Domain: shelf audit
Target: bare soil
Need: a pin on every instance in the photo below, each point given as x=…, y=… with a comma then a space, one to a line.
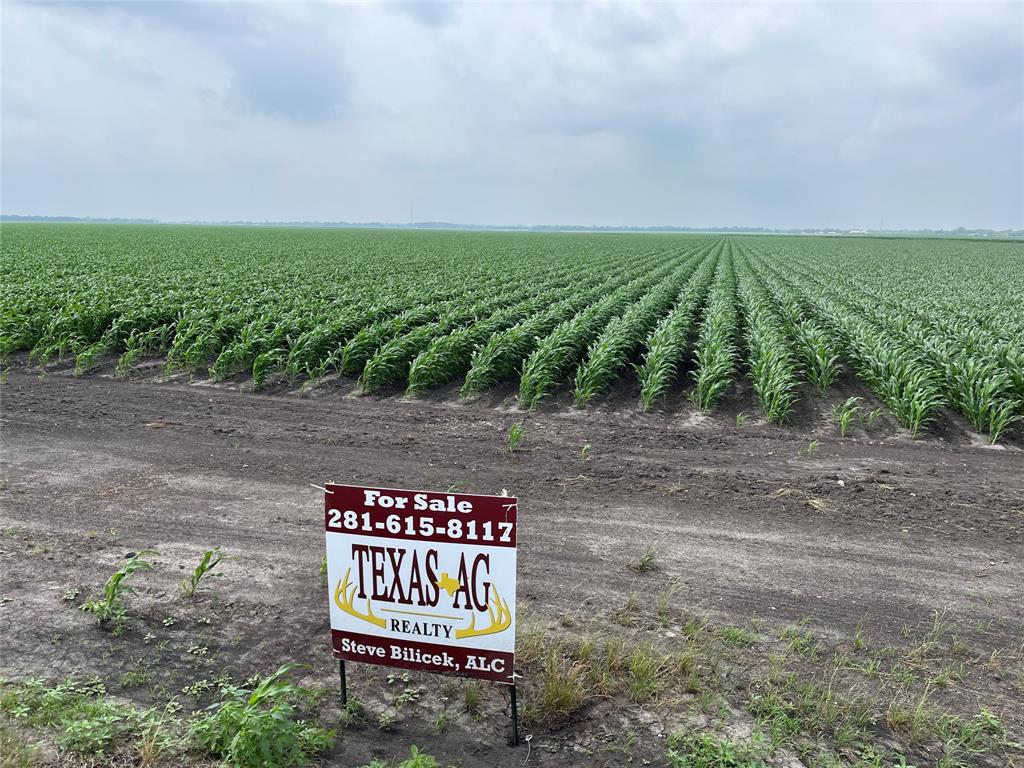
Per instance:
x=873, y=533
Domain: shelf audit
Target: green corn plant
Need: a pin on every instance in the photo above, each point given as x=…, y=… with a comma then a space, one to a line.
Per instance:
x=820, y=362
x=610, y=352
x=982, y=392
x=999, y=418
x=515, y=436
x=110, y=609
x=392, y=361
x=555, y=355
x=774, y=379
x=868, y=418
x=566, y=344
x=913, y=397
x=211, y=559
x=844, y=413
x=665, y=350
x=811, y=449
x=316, y=348
x=715, y=355
x=448, y=356
x=666, y=345
x=264, y=364
x=500, y=357
x=715, y=362
x=891, y=368
x=368, y=340
x=135, y=346
x=811, y=345
x=772, y=367
x=87, y=358
x=543, y=369
x=254, y=339
x=1009, y=356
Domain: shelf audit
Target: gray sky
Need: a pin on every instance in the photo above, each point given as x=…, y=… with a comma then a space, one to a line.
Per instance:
x=840, y=114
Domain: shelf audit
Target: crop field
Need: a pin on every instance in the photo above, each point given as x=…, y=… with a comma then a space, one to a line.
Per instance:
x=925, y=325
x=762, y=524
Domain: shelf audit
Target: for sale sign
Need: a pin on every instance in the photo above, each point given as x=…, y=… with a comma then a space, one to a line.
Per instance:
x=423, y=580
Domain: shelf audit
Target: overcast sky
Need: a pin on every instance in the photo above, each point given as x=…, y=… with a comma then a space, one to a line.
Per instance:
x=839, y=114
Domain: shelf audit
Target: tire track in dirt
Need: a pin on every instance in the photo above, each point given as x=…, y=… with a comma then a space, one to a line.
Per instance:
x=228, y=467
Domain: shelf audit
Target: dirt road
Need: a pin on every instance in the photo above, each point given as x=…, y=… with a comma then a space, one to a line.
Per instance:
x=873, y=533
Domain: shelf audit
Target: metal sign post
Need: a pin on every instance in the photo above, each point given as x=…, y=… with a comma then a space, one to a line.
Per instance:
x=515, y=718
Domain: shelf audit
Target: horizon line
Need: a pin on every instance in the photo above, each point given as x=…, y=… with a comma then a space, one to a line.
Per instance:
x=315, y=223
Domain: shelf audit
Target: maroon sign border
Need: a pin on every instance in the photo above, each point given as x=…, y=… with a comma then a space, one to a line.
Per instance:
x=486, y=508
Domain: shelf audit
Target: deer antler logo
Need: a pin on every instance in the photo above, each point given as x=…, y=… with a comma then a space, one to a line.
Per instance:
x=343, y=599
x=498, y=613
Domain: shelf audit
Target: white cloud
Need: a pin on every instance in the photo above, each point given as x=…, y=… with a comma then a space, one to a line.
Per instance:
x=491, y=113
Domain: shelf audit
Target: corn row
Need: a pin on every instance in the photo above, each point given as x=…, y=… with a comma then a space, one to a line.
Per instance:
x=666, y=344
x=813, y=346
x=625, y=334
x=446, y=357
x=392, y=361
x=443, y=353
x=558, y=352
x=892, y=369
x=502, y=355
x=773, y=370
x=716, y=351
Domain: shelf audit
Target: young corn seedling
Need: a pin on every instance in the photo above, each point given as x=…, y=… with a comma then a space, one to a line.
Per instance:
x=810, y=450
x=844, y=414
x=110, y=610
x=211, y=559
x=515, y=436
x=868, y=418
